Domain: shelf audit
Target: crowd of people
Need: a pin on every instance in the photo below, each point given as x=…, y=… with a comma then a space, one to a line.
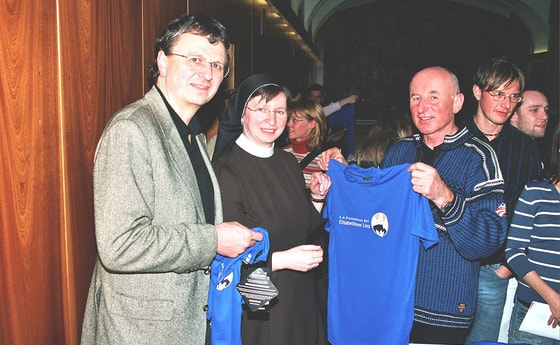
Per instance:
x=427, y=221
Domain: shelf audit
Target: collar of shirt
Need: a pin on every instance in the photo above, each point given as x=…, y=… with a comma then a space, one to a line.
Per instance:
x=471, y=125
x=254, y=149
x=194, y=127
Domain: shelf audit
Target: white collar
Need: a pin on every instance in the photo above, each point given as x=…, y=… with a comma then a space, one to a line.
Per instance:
x=254, y=149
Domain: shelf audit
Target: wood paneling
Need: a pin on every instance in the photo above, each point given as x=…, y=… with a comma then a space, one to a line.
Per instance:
x=101, y=72
x=30, y=252
x=157, y=14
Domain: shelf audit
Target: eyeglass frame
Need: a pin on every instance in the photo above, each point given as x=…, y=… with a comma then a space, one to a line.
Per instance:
x=262, y=112
x=200, y=67
x=502, y=95
x=294, y=119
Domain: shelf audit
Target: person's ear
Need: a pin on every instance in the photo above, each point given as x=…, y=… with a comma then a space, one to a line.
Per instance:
x=162, y=60
x=458, y=101
x=477, y=92
x=514, y=118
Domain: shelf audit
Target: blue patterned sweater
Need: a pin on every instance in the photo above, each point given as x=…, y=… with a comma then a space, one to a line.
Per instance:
x=474, y=227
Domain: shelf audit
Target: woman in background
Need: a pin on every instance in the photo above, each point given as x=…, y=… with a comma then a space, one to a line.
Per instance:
x=389, y=128
x=307, y=127
x=262, y=186
x=533, y=250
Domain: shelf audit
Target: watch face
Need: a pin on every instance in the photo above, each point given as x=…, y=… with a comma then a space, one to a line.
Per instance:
x=446, y=207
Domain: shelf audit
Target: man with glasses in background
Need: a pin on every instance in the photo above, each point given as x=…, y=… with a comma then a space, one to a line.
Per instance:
x=158, y=211
x=498, y=87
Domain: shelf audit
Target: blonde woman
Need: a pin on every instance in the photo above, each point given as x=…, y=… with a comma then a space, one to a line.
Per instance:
x=307, y=128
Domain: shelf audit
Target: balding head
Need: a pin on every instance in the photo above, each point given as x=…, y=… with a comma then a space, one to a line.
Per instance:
x=435, y=98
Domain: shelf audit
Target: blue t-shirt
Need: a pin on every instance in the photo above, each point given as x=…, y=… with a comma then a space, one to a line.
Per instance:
x=375, y=221
x=224, y=301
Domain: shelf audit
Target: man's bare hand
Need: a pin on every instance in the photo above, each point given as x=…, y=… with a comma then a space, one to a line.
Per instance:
x=234, y=238
x=426, y=180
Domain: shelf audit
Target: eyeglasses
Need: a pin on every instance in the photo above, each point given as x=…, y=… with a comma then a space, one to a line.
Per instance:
x=198, y=63
x=262, y=112
x=294, y=120
x=500, y=96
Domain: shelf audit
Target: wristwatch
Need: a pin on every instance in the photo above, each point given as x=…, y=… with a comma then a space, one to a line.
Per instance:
x=446, y=207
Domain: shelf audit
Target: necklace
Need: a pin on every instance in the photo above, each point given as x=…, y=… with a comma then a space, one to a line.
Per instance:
x=491, y=134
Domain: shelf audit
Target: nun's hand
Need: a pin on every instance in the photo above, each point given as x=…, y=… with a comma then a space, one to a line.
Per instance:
x=319, y=185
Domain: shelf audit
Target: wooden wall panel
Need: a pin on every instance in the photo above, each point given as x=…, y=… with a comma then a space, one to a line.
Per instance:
x=237, y=17
x=157, y=14
x=243, y=31
x=200, y=6
x=30, y=252
x=101, y=72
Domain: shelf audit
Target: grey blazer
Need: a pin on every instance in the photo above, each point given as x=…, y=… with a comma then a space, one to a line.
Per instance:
x=150, y=282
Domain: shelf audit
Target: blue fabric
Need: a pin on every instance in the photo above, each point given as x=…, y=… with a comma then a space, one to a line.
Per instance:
x=374, y=217
x=492, y=289
x=224, y=301
x=496, y=343
x=345, y=118
x=472, y=229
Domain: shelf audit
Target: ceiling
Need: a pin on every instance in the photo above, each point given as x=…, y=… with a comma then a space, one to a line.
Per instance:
x=533, y=13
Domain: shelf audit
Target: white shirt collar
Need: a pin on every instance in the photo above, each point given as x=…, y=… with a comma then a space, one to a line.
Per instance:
x=254, y=149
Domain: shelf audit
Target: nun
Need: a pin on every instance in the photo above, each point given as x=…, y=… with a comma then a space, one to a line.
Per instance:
x=262, y=186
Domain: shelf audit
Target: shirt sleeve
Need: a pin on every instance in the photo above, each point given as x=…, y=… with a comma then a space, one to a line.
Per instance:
x=331, y=108
x=425, y=223
x=519, y=236
x=476, y=222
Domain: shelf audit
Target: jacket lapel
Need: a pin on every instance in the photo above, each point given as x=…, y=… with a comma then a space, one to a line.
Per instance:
x=176, y=151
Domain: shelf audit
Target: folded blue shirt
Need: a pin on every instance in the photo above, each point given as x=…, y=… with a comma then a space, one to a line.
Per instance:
x=224, y=301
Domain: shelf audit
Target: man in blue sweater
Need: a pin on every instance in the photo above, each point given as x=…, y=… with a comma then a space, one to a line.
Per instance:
x=460, y=176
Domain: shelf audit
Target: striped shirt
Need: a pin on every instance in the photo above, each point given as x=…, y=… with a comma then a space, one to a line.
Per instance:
x=299, y=150
x=533, y=243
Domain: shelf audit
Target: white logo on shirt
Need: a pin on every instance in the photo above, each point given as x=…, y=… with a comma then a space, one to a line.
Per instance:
x=379, y=224
x=225, y=282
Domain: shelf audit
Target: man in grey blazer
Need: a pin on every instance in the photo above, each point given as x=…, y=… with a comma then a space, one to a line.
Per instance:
x=158, y=213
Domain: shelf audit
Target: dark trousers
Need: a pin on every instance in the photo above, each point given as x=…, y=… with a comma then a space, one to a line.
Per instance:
x=422, y=333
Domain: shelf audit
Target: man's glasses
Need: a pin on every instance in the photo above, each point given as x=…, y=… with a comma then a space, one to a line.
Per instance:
x=499, y=96
x=262, y=112
x=199, y=64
